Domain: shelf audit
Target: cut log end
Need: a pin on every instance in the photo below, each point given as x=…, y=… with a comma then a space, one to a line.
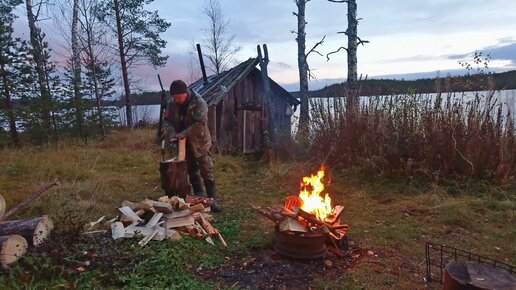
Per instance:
x=42, y=231
x=12, y=248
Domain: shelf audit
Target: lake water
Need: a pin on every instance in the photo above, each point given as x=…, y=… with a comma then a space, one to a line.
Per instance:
x=507, y=98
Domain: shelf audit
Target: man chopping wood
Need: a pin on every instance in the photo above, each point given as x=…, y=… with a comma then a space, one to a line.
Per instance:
x=187, y=117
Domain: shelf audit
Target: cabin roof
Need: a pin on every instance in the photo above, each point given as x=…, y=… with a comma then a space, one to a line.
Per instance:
x=219, y=85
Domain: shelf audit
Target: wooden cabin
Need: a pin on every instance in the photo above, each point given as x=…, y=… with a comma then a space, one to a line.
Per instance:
x=239, y=115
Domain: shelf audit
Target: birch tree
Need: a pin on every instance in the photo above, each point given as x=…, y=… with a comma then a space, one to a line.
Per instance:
x=304, y=70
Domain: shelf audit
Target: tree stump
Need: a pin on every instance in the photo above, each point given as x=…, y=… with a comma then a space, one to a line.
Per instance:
x=174, y=177
x=35, y=231
x=12, y=248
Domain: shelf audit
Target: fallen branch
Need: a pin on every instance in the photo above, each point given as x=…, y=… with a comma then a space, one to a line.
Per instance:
x=29, y=200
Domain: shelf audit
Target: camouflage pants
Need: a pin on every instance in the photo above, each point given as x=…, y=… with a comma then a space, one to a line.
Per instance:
x=198, y=167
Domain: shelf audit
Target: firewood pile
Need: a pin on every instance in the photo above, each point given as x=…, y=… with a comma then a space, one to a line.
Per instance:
x=162, y=219
x=17, y=236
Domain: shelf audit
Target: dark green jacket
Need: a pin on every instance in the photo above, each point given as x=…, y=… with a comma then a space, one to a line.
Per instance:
x=193, y=125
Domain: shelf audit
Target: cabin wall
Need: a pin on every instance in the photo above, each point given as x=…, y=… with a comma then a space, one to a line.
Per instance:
x=245, y=100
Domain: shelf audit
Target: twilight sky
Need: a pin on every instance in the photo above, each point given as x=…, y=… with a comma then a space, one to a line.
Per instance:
x=406, y=36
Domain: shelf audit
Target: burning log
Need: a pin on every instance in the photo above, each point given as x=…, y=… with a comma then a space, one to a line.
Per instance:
x=12, y=247
x=35, y=231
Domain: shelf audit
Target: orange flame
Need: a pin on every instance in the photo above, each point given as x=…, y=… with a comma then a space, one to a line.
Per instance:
x=311, y=190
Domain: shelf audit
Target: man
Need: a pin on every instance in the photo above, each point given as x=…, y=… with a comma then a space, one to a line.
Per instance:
x=187, y=117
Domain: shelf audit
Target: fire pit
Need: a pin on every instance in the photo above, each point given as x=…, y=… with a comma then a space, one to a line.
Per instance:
x=307, y=226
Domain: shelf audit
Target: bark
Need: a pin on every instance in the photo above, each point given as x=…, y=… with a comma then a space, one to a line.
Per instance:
x=123, y=62
x=92, y=62
x=353, y=98
x=12, y=248
x=76, y=66
x=174, y=178
x=304, y=115
x=37, y=52
x=10, y=110
x=2, y=205
x=35, y=231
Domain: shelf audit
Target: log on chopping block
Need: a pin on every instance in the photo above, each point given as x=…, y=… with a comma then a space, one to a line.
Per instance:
x=35, y=231
x=2, y=205
x=174, y=177
x=28, y=201
x=12, y=248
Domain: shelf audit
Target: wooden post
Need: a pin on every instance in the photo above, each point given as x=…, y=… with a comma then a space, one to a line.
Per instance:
x=269, y=107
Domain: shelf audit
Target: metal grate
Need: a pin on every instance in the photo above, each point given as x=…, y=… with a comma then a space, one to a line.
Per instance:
x=437, y=256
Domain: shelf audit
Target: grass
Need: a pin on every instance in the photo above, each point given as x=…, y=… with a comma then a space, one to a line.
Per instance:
x=393, y=218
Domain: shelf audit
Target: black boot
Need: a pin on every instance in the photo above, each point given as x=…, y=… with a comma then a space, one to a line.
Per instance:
x=197, y=186
x=211, y=191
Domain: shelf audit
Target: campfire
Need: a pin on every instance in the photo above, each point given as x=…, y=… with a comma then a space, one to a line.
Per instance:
x=307, y=225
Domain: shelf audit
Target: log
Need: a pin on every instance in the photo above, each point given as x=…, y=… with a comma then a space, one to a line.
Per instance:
x=180, y=222
x=212, y=231
x=178, y=214
x=174, y=177
x=35, y=231
x=28, y=201
x=292, y=225
x=263, y=212
x=2, y=205
x=12, y=248
x=130, y=214
x=163, y=207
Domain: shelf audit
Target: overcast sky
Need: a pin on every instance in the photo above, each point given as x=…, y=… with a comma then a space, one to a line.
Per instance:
x=406, y=36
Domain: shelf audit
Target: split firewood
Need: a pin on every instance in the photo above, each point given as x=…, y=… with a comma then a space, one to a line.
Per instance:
x=196, y=208
x=28, y=201
x=212, y=231
x=96, y=224
x=180, y=222
x=181, y=154
x=178, y=203
x=193, y=200
x=145, y=204
x=164, y=207
x=164, y=198
x=208, y=239
x=35, y=231
x=2, y=205
x=130, y=204
x=12, y=247
x=117, y=230
x=178, y=214
x=172, y=235
x=198, y=215
x=154, y=220
x=334, y=216
x=194, y=231
x=146, y=240
x=292, y=225
x=130, y=214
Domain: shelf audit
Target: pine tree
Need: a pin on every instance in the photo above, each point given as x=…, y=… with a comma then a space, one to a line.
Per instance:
x=14, y=67
x=138, y=33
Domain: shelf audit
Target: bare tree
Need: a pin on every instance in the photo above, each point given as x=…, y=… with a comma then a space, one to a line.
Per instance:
x=304, y=69
x=220, y=48
x=352, y=99
x=40, y=55
x=76, y=66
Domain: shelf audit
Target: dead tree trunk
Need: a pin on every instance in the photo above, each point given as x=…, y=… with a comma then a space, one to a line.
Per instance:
x=12, y=248
x=35, y=231
x=123, y=62
x=304, y=115
x=353, y=95
x=76, y=66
